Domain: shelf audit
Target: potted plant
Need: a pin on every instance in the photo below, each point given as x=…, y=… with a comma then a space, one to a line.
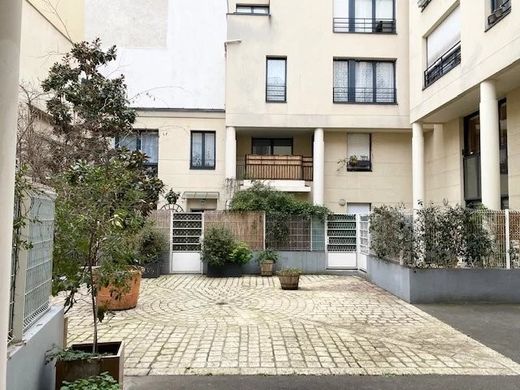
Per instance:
x=266, y=259
x=151, y=244
x=289, y=278
x=224, y=257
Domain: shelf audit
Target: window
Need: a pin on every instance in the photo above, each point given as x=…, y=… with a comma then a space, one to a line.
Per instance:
x=147, y=141
x=272, y=146
x=364, y=16
x=253, y=9
x=443, y=51
x=359, y=152
x=357, y=81
x=202, y=150
x=499, y=9
x=276, y=75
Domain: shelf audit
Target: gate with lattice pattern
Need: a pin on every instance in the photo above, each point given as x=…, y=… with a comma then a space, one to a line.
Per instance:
x=342, y=233
x=186, y=237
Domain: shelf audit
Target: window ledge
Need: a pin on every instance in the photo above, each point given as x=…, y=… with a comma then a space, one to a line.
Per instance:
x=246, y=14
x=369, y=103
x=491, y=25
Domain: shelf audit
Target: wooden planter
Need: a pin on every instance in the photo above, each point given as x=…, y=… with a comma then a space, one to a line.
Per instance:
x=111, y=361
x=266, y=268
x=289, y=282
x=110, y=299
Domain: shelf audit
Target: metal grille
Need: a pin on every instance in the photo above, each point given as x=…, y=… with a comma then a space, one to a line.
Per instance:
x=443, y=65
x=365, y=25
x=290, y=234
x=364, y=95
x=341, y=233
x=318, y=235
x=186, y=232
x=38, y=282
x=514, y=238
x=364, y=234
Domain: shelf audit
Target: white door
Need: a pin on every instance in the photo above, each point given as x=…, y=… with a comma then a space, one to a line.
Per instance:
x=186, y=233
x=341, y=241
x=362, y=212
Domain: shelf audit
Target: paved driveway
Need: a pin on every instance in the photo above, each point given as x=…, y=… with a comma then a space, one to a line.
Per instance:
x=188, y=324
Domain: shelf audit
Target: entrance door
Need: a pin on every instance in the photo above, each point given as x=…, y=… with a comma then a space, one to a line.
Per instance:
x=341, y=241
x=186, y=243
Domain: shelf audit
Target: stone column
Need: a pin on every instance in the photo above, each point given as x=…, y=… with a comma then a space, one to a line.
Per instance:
x=231, y=153
x=10, y=25
x=318, y=168
x=489, y=146
x=418, y=165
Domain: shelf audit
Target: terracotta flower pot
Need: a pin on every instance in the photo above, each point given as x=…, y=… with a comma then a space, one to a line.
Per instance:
x=266, y=268
x=289, y=282
x=111, y=299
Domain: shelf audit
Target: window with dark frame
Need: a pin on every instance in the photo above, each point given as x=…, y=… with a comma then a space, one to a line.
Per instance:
x=146, y=141
x=359, y=152
x=252, y=9
x=364, y=16
x=272, y=146
x=499, y=9
x=276, y=80
x=363, y=81
x=202, y=150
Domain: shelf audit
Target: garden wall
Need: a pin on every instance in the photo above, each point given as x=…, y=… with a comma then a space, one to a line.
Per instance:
x=445, y=285
x=308, y=262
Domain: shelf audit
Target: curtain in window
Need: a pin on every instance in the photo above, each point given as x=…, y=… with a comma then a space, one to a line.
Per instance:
x=385, y=82
x=363, y=9
x=196, y=149
x=276, y=71
x=209, y=150
x=384, y=9
x=358, y=145
x=150, y=146
x=364, y=91
x=444, y=37
x=340, y=81
x=128, y=141
x=341, y=21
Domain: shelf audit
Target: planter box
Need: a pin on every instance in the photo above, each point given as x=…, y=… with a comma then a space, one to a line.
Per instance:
x=266, y=268
x=77, y=369
x=289, y=282
x=152, y=270
x=445, y=285
x=226, y=271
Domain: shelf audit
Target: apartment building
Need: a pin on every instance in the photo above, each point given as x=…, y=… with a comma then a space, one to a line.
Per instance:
x=321, y=99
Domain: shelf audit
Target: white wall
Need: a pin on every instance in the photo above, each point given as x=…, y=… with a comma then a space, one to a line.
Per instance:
x=171, y=51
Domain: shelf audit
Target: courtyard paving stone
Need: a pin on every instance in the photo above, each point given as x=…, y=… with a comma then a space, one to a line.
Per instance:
x=333, y=325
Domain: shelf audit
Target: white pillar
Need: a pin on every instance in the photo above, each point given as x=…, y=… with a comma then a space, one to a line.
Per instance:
x=418, y=165
x=489, y=146
x=231, y=153
x=10, y=22
x=318, y=168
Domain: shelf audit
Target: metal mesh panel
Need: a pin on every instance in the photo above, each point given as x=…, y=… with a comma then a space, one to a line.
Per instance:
x=318, y=235
x=514, y=238
x=364, y=234
x=292, y=233
x=247, y=227
x=39, y=260
x=186, y=232
x=494, y=223
x=341, y=232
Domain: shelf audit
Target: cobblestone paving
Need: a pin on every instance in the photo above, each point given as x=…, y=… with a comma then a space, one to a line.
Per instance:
x=187, y=324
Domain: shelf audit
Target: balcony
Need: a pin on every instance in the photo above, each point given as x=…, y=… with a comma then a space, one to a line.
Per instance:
x=364, y=95
x=364, y=25
x=257, y=167
x=275, y=93
x=443, y=65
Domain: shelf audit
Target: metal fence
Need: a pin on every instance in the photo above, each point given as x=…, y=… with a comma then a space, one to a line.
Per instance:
x=31, y=280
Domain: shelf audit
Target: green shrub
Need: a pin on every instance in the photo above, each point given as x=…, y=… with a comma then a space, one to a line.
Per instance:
x=150, y=245
x=100, y=382
x=241, y=253
x=217, y=246
x=290, y=272
x=267, y=255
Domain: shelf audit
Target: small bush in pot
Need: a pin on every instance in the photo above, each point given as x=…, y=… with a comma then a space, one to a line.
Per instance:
x=289, y=278
x=151, y=244
x=266, y=259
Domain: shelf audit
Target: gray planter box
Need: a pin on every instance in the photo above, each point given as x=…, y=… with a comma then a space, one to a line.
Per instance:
x=445, y=285
x=308, y=262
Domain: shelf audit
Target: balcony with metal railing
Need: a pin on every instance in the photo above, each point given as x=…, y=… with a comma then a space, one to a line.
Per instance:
x=276, y=93
x=364, y=25
x=364, y=95
x=258, y=167
x=443, y=65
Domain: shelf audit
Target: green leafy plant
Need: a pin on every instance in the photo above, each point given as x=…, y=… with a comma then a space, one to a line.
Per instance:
x=70, y=355
x=150, y=245
x=101, y=382
x=241, y=254
x=267, y=255
x=289, y=272
x=217, y=246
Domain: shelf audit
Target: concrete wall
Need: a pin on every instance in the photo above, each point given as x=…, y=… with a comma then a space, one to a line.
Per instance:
x=174, y=150
x=445, y=285
x=308, y=262
x=390, y=181
x=26, y=368
x=302, y=31
x=171, y=51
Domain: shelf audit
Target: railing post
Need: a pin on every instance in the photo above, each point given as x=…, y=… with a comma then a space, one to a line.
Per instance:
x=508, y=239
x=358, y=239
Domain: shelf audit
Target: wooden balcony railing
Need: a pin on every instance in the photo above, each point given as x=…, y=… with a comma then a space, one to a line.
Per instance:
x=257, y=167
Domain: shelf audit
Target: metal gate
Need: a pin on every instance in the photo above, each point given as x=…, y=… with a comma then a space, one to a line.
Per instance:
x=186, y=238
x=342, y=232
x=364, y=241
